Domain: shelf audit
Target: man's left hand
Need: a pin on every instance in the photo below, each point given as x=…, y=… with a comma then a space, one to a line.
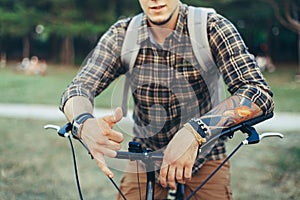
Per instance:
x=179, y=158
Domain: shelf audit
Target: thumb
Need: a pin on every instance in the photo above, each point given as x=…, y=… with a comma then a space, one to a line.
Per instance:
x=114, y=118
x=118, y=115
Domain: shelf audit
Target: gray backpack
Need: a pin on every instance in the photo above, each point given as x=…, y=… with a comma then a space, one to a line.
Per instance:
x=197, y=25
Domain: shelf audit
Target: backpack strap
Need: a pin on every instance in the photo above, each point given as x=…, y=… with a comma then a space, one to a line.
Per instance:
x=197, y=23
x=197, y=26
x=129, y=52
x=130, y=47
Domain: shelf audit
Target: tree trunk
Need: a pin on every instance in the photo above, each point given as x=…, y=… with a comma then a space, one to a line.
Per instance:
x=67, y=52
x=2, y=60
x=26, y=47
x=298, y=73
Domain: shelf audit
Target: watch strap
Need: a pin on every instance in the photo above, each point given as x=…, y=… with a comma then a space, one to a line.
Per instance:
x=78, y=122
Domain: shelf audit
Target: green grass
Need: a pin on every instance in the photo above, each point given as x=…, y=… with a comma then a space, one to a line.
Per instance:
x=30, y=89
x=268, y=170
x=19, y=88
x=36, y=164
x=286, y=90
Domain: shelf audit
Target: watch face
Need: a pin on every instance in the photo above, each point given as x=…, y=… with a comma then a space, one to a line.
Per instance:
x=75, y=129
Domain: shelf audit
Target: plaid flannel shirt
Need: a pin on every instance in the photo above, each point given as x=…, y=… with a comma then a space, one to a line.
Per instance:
x=167, y=81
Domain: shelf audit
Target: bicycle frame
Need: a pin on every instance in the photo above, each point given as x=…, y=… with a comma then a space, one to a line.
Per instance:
x=135, y=152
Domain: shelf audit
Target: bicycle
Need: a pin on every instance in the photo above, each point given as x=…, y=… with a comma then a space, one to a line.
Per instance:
x=135, y=152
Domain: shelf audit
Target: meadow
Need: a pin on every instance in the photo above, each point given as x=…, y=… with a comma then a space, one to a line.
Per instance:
x=25, y=89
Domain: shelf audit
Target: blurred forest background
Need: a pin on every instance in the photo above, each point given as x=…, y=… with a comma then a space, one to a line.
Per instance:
x=64, y=31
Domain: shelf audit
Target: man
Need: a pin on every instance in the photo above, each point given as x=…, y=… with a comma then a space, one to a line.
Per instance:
x=173, y=109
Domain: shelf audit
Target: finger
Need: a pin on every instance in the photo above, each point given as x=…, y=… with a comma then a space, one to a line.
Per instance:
x=187, y=173
x=171, y=177
x=163, y=175
x=118, y=114
x=113, y=135
x=180, y=175
x=104, y=146
x=113, y=145
x=102, y=165
x=106, y=150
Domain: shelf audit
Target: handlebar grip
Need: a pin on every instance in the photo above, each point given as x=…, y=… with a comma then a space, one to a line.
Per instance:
x=248, y=123
x=259, y=119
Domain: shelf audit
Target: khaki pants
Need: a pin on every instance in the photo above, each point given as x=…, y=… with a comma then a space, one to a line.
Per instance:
x=216, y=188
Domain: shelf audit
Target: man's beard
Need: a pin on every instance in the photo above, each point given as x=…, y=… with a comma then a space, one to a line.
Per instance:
x=160, y=23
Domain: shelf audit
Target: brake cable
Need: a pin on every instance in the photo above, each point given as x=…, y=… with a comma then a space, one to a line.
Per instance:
x=64, y=132
x=75, y=168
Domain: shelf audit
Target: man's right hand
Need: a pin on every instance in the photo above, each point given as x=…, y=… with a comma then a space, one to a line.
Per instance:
x=101, y=139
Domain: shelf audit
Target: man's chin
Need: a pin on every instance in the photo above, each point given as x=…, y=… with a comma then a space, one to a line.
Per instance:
x=160, y=22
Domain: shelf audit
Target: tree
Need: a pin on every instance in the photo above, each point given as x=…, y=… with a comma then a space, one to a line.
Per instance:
x=18, y=20
x=258, y=24
x=69, y=19
x=63, y=19
x=288, y=15
x=69, y=25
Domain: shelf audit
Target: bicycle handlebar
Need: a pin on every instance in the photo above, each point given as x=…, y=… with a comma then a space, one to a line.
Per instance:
x=245, y=127
x=140, y=156
x=137, y=153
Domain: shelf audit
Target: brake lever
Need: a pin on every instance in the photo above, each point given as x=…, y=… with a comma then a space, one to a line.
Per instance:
x=270, y=134
x=61, y=131
x=51, y=126
x=264, y=135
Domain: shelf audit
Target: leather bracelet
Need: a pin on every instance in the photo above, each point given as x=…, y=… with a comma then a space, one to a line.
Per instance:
x=78, y=122
x=200, y=127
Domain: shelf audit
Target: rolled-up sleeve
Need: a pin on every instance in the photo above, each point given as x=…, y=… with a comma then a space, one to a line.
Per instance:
x=102, y=67
x=238, y=67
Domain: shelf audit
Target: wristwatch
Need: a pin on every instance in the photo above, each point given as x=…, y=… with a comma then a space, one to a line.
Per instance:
x=78, y=122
